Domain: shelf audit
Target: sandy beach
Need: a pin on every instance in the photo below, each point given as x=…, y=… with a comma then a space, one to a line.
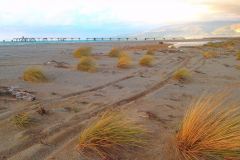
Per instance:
x=72, y=98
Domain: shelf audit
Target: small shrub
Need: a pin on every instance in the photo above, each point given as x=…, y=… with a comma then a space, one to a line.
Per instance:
x=237, y=67
x=86, y=64
x=82, y=52
x=114, y=52
x=124, y=61
x=238, y=55
x=21, y=120
x=209, y=54
x=210, y=130
x=110, y=136
x=34, y=75
x=150, y=52
x=182, y=75
x=146, y=60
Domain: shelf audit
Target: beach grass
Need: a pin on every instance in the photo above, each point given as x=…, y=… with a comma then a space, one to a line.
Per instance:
x=209, y=54
x=124, y=60
x=115, y=52
x=110, y=137
x=34, y=74
x=21, y=120
x=238, y=55
x=182, y=75
x=210, y=129
x=82, y=52
x=87, y=64
x=229, y=44
x=146, y=60
x=150, y=52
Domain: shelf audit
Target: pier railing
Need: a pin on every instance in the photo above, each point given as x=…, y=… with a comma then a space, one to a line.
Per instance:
x=62, y=39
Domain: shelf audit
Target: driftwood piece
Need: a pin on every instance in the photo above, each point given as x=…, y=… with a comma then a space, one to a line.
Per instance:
x=18, y=93
x=57, y=64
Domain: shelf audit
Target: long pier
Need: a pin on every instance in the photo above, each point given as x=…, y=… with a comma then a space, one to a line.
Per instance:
x=63, y=39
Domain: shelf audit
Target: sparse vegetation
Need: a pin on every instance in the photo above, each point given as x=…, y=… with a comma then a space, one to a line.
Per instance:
x=238, y=55
x=209, y=130
x=110, y=136
x=86, y=64
x=146, y=60
x=182, y=75
x=209, y=54
x=21, y=120
x=225, y=44
x=124, y=60
x=115, y=52
x=150, y=52
x=82, y=52
x=237, y=67
x=34, y=74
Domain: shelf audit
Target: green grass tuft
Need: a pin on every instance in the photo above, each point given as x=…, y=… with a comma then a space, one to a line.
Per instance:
x=210, y=129
x=124, y=60
x=182, y=75
x=238, y=55
x=115, y=52
x=82, y=52
x=33, y=74
x=150, y=52
x=110, y=136
x=21, y=120
x=146, y=60
x=86, y=64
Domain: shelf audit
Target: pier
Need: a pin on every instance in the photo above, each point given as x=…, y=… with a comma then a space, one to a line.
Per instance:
x=44, y=39
x=63, y=39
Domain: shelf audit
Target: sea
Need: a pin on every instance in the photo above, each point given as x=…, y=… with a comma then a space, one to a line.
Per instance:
x=14, y=43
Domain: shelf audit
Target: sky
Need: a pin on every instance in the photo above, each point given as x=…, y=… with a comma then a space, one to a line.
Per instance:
x=86, y=18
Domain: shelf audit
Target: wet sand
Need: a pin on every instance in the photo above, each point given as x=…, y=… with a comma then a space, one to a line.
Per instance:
x=148, y=95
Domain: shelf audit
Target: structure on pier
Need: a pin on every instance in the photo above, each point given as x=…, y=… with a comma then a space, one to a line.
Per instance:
x=63, y=39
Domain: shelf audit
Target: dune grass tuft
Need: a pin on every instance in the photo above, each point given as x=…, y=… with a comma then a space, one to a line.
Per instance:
x=33, y=74
x=150, y=52
x=210, y=129
x=182, y=74
x=21, y=120
x=229, y=44
x=82, y=52
x=115, y=52
x=209, y=54
x=124, y=60
x=238, y=55
x=86, y=64
x=110, y=136
x=146, y=60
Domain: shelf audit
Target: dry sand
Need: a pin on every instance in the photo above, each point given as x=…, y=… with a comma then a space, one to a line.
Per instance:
x=148, y=95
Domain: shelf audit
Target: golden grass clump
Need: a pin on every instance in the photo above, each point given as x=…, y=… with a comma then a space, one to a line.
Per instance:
x=229, y=44
x=146, y=60
x=33, y=74
x=86, y=64
x=115, y=52
x=124, y=60
x=209, y=54
x=150, y=52
x=21, y=120
x=110, y=137
x=82, y=52
x=210, y=130
x=238, y=55
x=182, y=75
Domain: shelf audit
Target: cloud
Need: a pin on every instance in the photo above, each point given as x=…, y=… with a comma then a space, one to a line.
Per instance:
x=221, y=9
x=107, y=16
x=62, y=12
